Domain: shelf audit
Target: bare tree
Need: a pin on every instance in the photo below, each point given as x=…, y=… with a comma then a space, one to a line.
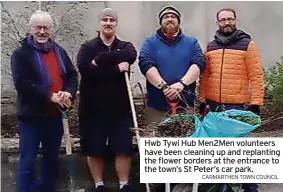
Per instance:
x=68, y=30
x=13, y=28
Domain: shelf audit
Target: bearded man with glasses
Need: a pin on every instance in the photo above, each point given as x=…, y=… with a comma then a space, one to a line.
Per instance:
x=233, y=76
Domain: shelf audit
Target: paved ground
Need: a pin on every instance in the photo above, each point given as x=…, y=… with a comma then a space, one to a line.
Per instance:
x=71, y=179
x=80, y=180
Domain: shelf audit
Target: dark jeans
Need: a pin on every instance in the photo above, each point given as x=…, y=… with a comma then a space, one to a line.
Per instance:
x=47, y=131
x=216, y=107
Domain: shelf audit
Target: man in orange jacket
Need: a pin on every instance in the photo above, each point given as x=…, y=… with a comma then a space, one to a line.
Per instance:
x=233, y=76
x=233, y=66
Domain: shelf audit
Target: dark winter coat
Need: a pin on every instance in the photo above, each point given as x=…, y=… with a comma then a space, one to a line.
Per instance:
x=103, y=89
x=33, y=97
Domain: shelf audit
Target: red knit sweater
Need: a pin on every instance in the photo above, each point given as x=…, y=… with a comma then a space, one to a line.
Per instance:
x=54, y=73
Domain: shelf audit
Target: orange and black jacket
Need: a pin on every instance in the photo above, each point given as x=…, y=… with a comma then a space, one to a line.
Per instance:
x=233, y=73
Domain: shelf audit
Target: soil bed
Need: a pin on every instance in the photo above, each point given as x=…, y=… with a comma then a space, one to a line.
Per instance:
x=9, y=123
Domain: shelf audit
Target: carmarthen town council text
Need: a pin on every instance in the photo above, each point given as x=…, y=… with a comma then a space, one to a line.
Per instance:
x=261, y=177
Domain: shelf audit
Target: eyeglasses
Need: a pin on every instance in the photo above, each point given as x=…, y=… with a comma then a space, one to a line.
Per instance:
x=112, y=20
x=230, y=20
x=45, y=28
x=168, y=16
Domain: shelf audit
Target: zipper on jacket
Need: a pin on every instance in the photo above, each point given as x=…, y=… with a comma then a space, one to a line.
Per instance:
x=220, y=91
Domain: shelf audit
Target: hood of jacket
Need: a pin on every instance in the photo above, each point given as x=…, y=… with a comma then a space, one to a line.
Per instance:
x=235, y=36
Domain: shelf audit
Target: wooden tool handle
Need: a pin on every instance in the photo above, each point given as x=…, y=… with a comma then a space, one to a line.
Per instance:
x=131, y=100
x=67, y=137
x=134, y=117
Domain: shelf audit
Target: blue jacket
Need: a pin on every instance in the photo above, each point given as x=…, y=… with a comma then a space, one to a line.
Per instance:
x=172, y=59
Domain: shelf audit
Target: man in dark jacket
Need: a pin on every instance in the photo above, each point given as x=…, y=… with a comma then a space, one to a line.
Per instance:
x=44, y=77
x=104, y=111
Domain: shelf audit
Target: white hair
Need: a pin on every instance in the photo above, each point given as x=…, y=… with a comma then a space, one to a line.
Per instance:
x=40, y=17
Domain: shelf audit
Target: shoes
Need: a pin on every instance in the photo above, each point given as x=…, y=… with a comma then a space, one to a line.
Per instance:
x=126, y=188
x=223, y=188
x=250, y=187
x=100, y=188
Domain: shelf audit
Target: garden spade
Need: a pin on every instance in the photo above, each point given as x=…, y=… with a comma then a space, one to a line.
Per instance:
x=68, y=146
x=134, y=117
x=173, y=105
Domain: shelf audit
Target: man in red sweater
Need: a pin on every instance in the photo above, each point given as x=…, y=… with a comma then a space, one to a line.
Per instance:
x=45, y=79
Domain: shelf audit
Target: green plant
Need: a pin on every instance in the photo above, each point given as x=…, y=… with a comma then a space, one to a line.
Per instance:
x=273, y=80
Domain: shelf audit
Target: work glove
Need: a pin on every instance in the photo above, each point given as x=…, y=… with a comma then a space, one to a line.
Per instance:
x=202, y=107
x=103, y=59
x=254, y=108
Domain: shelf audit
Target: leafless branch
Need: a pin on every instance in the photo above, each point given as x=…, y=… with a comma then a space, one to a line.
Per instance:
x=49, y=7
x=68, y=30
x=12, y=24
x=63, y=18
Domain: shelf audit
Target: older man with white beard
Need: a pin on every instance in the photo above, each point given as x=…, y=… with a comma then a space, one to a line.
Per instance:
x=44, y=78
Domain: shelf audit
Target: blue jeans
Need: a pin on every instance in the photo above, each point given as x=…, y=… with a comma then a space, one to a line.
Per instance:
x=216, y=107
x=48, y=131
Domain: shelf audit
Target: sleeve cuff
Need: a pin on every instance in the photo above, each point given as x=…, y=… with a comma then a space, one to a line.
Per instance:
x=146, y=68
x=200, y=65
x=50, y=95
